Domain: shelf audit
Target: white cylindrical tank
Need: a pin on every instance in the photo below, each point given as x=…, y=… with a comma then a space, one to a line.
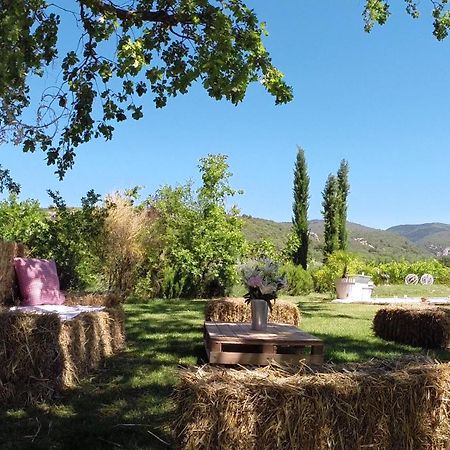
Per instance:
x=356, y=288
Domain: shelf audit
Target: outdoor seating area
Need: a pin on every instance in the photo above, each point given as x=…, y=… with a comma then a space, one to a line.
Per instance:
x=48, y=348
x=297, y=401
x=230, y=337
x=223, y=225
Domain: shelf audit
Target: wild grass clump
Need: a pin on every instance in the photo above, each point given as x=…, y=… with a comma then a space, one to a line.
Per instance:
x=125, y=227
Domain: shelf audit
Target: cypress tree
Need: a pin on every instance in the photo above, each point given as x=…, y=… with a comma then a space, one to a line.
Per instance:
x=343, y=188
x=330, y=217
x=300, y=210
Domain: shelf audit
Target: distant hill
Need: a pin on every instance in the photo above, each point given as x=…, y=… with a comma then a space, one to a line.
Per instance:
x=435, y=237
x=256, y=229
x=367, y=242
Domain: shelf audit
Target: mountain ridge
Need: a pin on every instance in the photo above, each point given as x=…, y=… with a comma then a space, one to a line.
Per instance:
x=434, y=236
x=367, y=242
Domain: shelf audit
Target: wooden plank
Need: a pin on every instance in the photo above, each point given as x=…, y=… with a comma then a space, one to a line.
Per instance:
x=237, y=343
x=261, y=339
x=233, y=331
x=242, y=329
x=212, y=345
x=261, y=359
x=212, y=329
x=237, y=330
x=242, y=332
x=269, y=349
x=317, y=350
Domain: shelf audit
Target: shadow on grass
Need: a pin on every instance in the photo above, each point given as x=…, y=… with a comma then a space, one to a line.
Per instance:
x=343, y=344
x=127, y=404
x=340, y=349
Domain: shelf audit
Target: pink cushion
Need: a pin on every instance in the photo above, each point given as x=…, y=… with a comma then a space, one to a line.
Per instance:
x=38, y=282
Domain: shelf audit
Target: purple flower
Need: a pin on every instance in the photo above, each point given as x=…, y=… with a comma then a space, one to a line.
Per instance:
x=255, y=281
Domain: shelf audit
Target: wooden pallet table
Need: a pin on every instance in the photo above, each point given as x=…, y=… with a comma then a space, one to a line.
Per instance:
x=237, y=343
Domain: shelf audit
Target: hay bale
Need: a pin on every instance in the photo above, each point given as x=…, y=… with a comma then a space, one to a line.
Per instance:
x=420, y=326
x=392, y=405
x=8, y=285
x=230, y=309
x=109, y=299
x=40, y=355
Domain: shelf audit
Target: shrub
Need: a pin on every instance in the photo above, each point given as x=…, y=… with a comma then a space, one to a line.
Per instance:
x=22, y=222
x=261, y=249
x=299, y=280
x=74, y=239
x=396, y=271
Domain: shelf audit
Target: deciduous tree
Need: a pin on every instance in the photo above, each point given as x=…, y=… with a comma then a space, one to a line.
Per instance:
x=201, y=240
x=122, y=52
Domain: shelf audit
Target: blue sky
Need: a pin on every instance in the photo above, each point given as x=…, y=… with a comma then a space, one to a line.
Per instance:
x=379, y=100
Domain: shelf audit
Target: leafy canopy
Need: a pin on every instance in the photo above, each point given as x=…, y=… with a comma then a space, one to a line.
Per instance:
x=201, y=240
x=158, y=48
x=123, y=51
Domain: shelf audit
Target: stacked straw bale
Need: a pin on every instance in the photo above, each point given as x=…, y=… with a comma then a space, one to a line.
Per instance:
x=8, y=286
x=40, y=355
x=420, y=326
x=391, y=405
x=236, y=310
x=110, y=300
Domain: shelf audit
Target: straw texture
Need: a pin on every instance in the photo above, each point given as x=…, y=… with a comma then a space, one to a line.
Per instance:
x=230, y=309
x=110, y=300
x=40, y=355
x=8, y=287
x=399, y=405
x=420, y=326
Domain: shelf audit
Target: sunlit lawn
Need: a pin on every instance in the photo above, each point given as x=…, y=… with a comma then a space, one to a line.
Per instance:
x=435, y=290
x=128, y=404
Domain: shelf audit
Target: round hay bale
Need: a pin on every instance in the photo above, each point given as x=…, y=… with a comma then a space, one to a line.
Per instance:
x=419, y=326
x=230, y=309
x=386, y=405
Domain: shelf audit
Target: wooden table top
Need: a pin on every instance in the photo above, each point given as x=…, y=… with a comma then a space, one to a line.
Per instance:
x=238, y=332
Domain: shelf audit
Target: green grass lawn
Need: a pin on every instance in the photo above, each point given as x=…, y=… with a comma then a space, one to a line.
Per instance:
x=399, y=290
x=128, y=405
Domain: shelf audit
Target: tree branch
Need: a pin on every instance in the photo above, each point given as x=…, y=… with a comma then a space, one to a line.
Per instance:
x=136, y=14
